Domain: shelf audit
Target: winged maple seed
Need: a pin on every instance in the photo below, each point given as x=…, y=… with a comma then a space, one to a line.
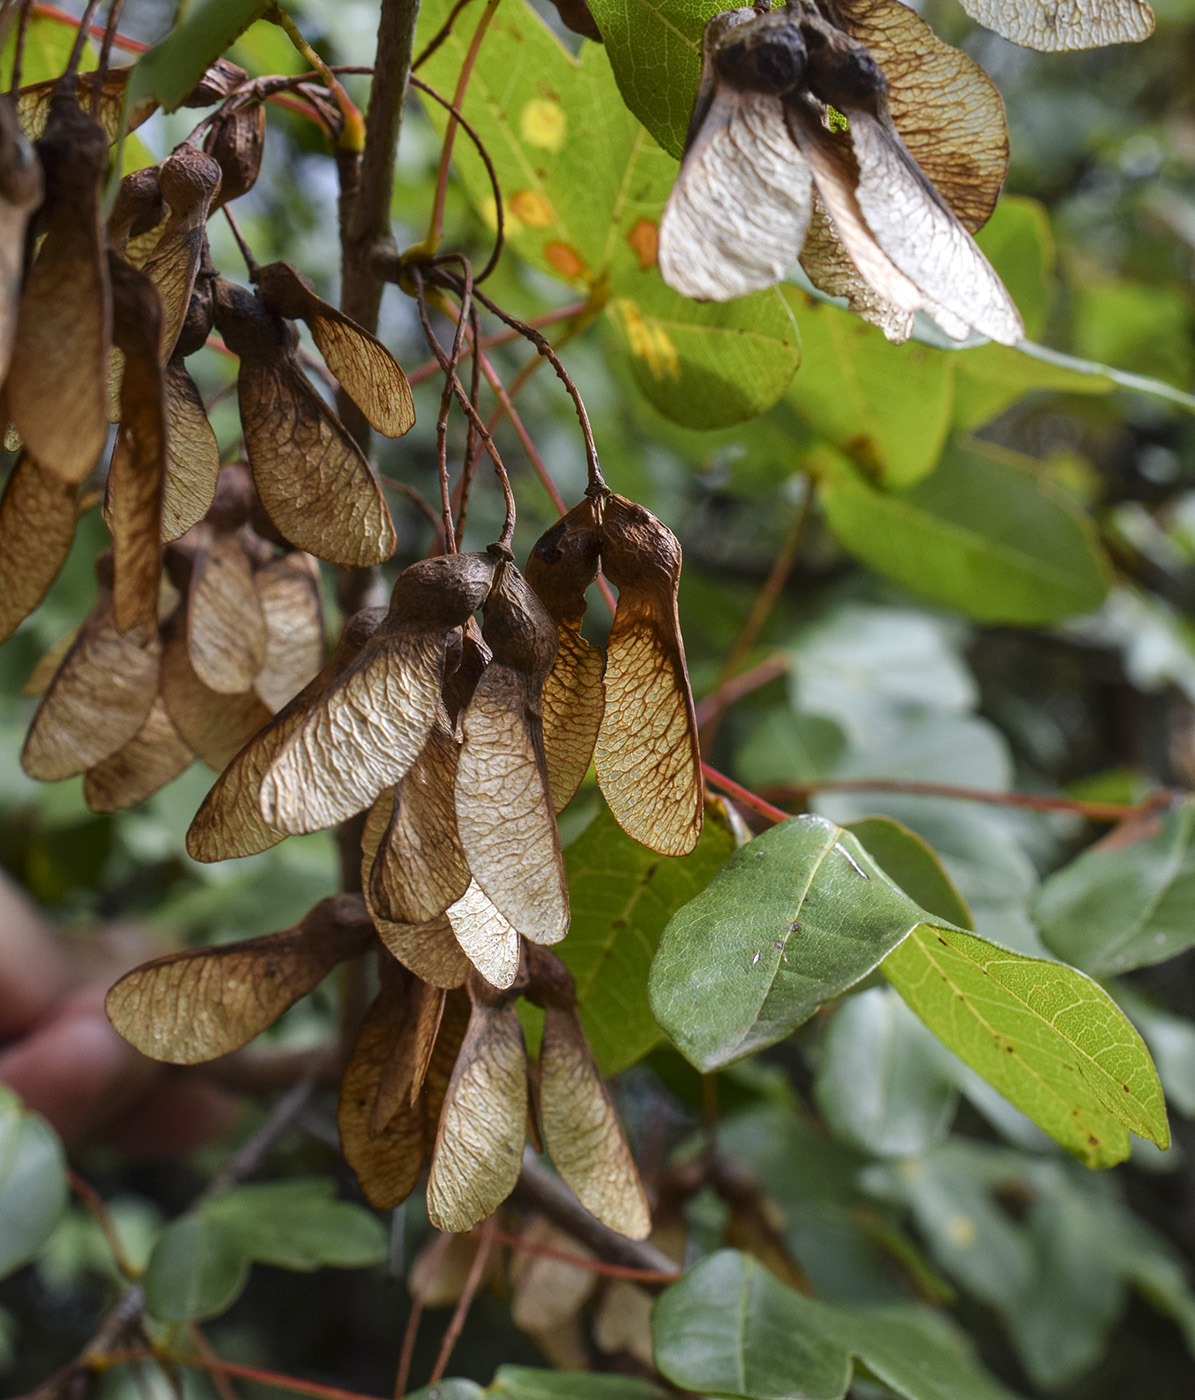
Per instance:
x=1074, y=24
x=37, y=525
x=810, y=138
x=643, y=736
x=64, y=323
x=20, y=194
x=236, y=142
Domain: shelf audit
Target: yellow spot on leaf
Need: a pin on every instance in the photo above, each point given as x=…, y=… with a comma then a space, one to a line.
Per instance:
x=533, y=208
x=644, y=238
x=543, y=123
x=649, y=340
x=961, y=1229
x=566, y=260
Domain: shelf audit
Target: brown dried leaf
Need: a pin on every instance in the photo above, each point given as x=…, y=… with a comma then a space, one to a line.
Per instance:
x=236, y=141
x=20, y=194
x=488, y=940
x=945, y=107
x=560, y=568
x=440, y=1269
x=314, y=483
x=226, y=626
x=98, y=700
x=365, y=369
x=192, y=454
x=647, y=757
x=187, y=1008
x=581, y=1129
x=137, y=472
x=229, y=823
x=37, y=526
x=34, y=102
x=479, y=1144
x=155, y=755
x=188, y=180
x=623, y=1321
x=420, y=868
x=215, y=726
x=64, y=325
x=548, y=1293
x=402, y=1077
x=289, y=592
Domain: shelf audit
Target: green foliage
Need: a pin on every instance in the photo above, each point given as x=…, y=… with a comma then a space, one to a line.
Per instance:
x=200, y=1265
x=33, y=1190
x=170, y=70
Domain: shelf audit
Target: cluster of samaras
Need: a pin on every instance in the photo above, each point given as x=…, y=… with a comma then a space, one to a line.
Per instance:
x=96, y=330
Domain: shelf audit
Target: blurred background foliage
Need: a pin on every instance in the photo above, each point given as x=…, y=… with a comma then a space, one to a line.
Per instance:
x=993, y=573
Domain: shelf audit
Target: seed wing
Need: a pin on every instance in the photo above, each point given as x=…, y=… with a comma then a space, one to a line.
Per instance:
x=488, y=940
x=1072, y=24
x=154, y=756
x=288, y=590
x=37, y=526
x=226, y=627
x=192, y=454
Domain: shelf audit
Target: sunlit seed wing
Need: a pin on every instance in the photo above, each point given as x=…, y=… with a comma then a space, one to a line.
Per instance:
x=187, y=1008
x=361, y=737
x=647, y=757
x=229, y=823
x=96, y=703
x=189, y=181
x=387, y=1162
x=214, y=726
x=923, y=238
x=488, y=940
x=192, y=454
x=20, y=194
x=582, y=1132
x=1071, y=24
x=64, y=324
x=831, y=270
x=560, y=568
x=314, y=483
x=226, y=627
x=288, y=590
x=153, y=757
x=365, y=369
x=736, y=218
x=34, y=101
x=947, y=110
x=504, y=814
x=479, y=1145
x=420, y=868
x=37, y=525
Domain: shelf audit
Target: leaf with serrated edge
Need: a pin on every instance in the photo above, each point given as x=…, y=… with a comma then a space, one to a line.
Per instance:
x=37, y=526
x=97, y=701
x=215, y=726
x=420, y=869
x=187, y=1008
x=582, y=1132
x=487, y=939
x=365, y=369
x=226, y=627
x=64, y=325
x=288, y=590
x=192, y=454
x=1077, y=24
x=229, y=823
x=153, y=757
x=479, y=1144
x=647, y=758
x=1051, y=1040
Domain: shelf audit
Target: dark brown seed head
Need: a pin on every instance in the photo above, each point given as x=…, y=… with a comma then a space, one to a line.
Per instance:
x=236, y=142
x=441, y=593
x=249, y=330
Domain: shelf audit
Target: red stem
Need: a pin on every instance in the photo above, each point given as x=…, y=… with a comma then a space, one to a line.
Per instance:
x=95, y=30
x=233, y=1368
x=581, y=1261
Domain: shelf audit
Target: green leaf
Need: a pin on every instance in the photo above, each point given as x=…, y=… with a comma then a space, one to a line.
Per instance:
x=985, y=533
x=33, y=1191
x=655, y=51
x=197, y=1270
x=909, y=861
x=529, y=1383
x=622, y=895
x=1019, y=243
x=1109, y=911
x=1171, y=1041
x=1051, y=1040
x=170, y=70
x=47, y=47
x=728, y=1328
x=887, y=406
x=453, y=1388
x=583, y=187
x=791, y=920
x=884, y=1083
x=201, y=1263
x=989, y=378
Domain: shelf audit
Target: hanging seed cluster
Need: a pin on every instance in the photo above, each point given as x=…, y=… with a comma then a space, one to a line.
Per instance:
x=453, y=724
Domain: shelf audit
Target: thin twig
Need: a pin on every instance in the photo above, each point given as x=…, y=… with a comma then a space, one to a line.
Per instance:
x=220, y=1382
x=586, y=1262
x=252, y=1152
x=440, y=35
x=103, y=1218
x=101, y=71
x=1030, y=802
x=418, y=1300
x=18, y=52
x=96, y=31
x=250, y=261
x=464, y=1302
x=744, y=795
x=418, y=499
x=771, y=668
x=234, y=1368
x=72, y=63
x=391, y=269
